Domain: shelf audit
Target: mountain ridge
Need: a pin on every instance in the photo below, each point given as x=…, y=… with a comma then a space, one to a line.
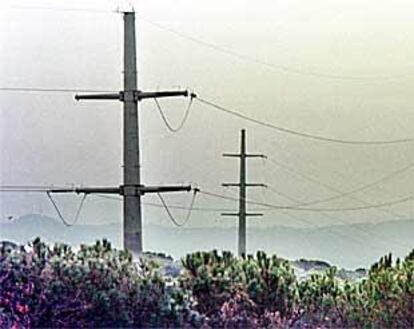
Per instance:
x=349, y=246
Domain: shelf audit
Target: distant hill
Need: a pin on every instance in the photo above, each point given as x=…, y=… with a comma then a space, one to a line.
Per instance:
x=28, y=227
x=351, y=246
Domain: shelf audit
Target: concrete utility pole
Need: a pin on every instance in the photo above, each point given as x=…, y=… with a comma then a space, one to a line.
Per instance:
x=242, y=214
x=132, y=189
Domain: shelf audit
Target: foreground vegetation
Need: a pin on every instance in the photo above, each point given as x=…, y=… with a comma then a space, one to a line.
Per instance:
x=98, y=286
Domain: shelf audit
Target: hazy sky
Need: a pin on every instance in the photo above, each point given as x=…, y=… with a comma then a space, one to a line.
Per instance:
x=342, y=69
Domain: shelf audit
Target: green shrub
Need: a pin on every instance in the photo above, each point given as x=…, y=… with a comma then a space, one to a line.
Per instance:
x=265, y=283
x=98, y=286
x=94, y=287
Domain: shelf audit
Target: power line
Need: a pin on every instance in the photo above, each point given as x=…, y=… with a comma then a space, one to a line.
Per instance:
x=299, y=133
x=358, y=231
x=178, y=207
x=29, y=187
x=318, y=182
x=358, y=189
x=371, y=206
x=330, y=230
x=223, y=109
x=64, y=221
x=184, y=119
x=226, y=51
x=170, y=215
x=23, y=190
x=52, y=90
x=86, y=10
x=190, y=209
x=267, y=205
x=295, y=208
x=283, y=68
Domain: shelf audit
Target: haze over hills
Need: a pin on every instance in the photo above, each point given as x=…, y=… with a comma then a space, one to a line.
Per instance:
x=351, y=246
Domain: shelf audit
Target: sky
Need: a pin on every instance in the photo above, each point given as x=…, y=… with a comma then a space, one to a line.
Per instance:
x=341, y=69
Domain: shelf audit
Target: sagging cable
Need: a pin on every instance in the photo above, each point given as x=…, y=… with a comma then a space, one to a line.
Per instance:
x=183, y=121
x=190, y=209
x=64, y=221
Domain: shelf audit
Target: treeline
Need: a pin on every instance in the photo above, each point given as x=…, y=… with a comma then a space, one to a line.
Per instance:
x=97, y=286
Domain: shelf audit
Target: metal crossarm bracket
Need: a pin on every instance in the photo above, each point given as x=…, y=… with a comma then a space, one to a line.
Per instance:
x=125, y=189
x=88, y=190
x=247, y=185
x=159, y=94
x=165, y=189
x=134, y=95
x=116, y=96
x=238, y=214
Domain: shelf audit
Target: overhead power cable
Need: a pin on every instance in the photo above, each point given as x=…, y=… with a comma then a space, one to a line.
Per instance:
x=367, y=233
x=52, y=90
x=267, y=205
x=44, y=189
x=170, y=215
x=318, y=182
x=175, y=206
x=331, y=230
x=299, y=133
x=227, y=51
x=64, y=221
x=24, y=189
x=29, y=187
x=190, y=209
x=282, y=207
x=86, y=10
x=269, y=65
x=183, y=121
x=358, y=189
x=226, y=110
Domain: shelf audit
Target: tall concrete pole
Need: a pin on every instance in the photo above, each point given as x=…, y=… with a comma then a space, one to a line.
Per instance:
x=132, y=190
x=132, y=178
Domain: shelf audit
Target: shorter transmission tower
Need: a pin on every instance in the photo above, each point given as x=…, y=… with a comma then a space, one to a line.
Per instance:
x=242, y=214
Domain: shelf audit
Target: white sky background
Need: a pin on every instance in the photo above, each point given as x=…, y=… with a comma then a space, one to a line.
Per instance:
x=51, y=139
